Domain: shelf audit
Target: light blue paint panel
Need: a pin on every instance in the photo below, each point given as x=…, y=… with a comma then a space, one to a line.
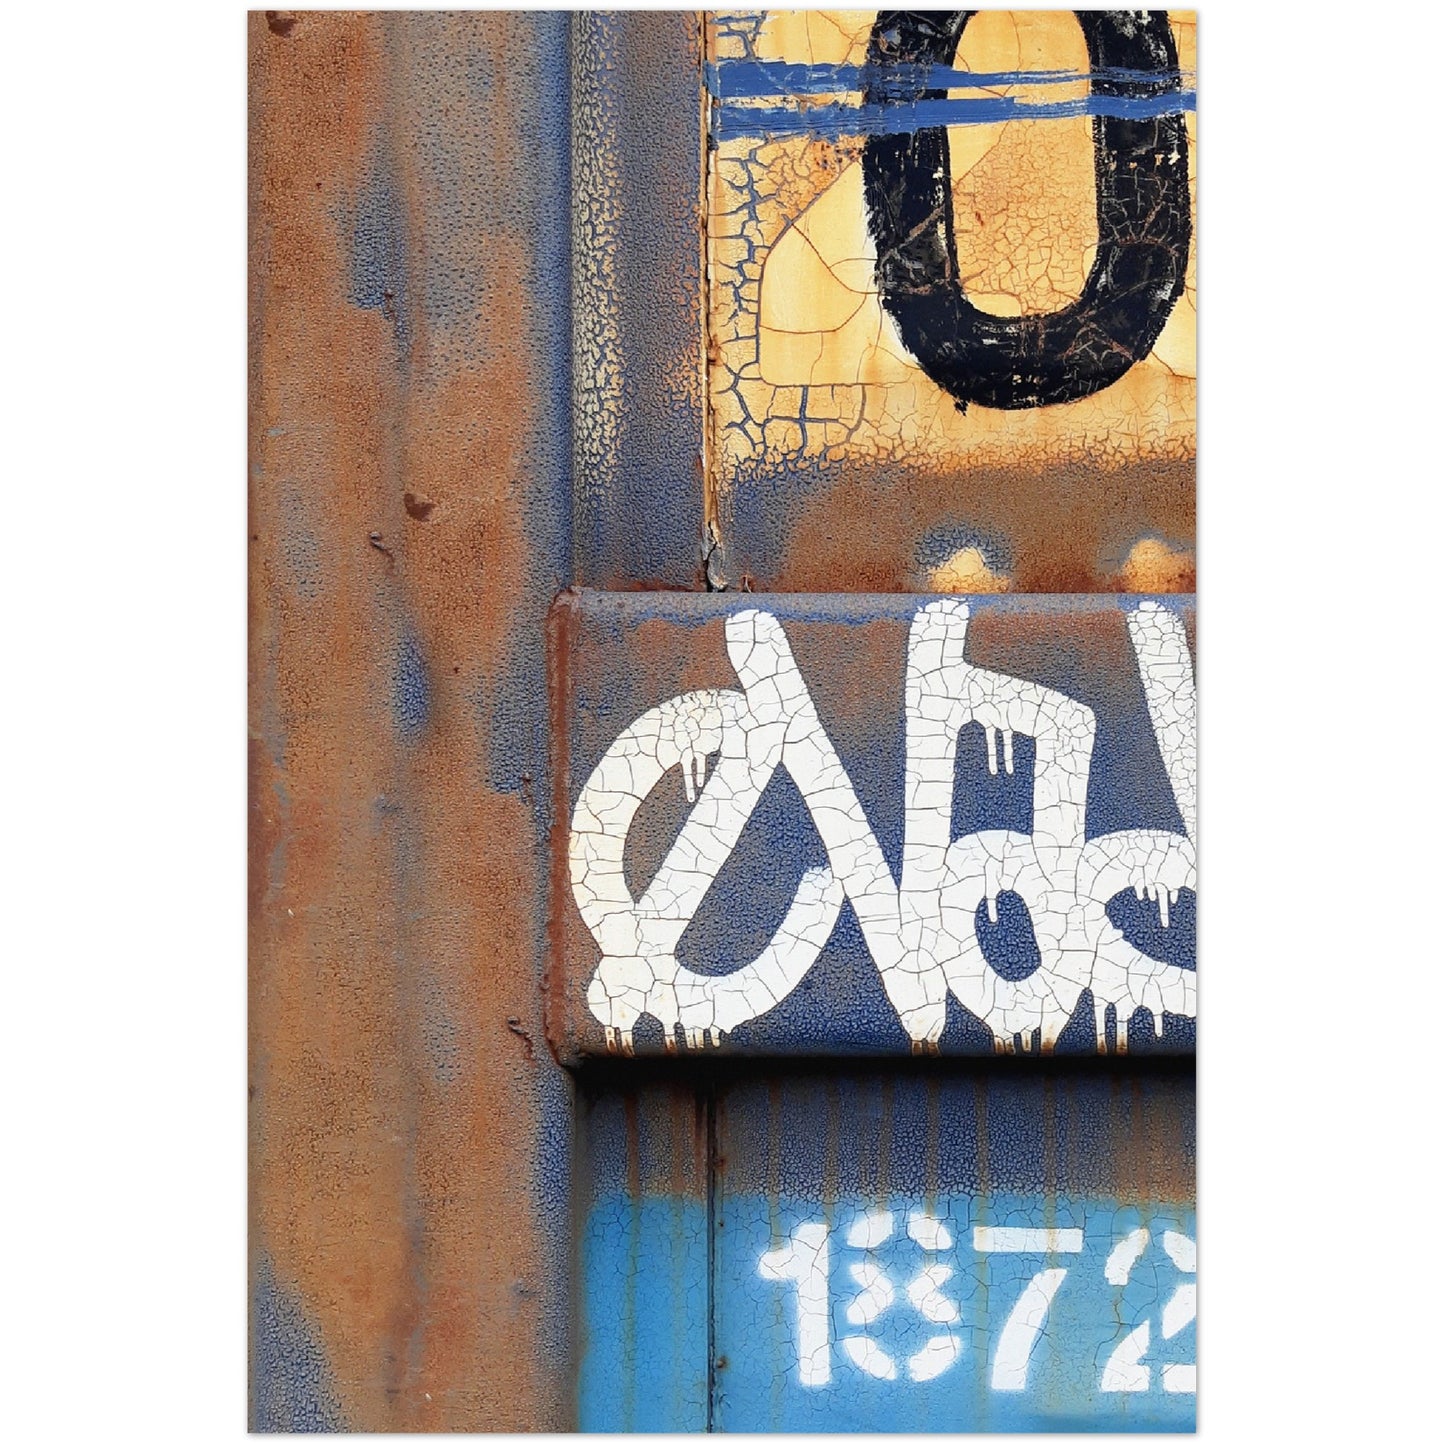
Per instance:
x=980, y=1250
x=1066, y=1381
x=644, y=1296
x=642, y=1237
x=918, y=1249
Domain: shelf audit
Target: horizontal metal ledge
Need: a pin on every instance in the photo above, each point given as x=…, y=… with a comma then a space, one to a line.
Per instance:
x=837, y=825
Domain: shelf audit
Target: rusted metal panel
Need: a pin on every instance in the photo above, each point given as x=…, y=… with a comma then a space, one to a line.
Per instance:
x=531, y=300
x=410, y=522
x=838, y=825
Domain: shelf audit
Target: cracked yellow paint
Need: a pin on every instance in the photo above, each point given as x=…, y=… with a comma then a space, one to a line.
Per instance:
x=1155, y=566
x=820, y=322
x=804, y=364
x=823, y=37
x=966, y=571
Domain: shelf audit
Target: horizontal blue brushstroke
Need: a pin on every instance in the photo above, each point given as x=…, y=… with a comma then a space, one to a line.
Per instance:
x=762, y=79
x=832, y=122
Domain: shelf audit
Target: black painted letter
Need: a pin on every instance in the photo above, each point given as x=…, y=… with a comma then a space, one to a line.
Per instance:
x=1141, y=170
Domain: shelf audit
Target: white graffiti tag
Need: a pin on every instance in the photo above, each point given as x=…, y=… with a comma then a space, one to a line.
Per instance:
x=920, y=931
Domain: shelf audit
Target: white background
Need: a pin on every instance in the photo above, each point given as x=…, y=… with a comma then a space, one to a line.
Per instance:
x=123, y=459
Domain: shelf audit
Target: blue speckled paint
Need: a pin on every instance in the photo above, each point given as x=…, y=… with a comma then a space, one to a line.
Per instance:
x=516, y=757
x=410, y=688
x=1008, y=944
x=379, y=250
x=1138, y=920
x=292, y=1390
x=552, y=1199
x=637, y=275
x=513, y=707
x=943, y=539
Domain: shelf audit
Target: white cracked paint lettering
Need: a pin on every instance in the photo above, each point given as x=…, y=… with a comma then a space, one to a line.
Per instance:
x=920, y=930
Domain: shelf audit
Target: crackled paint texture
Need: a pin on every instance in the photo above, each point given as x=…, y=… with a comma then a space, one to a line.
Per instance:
x=637, y=299
x=992, y=841
x=559, y=326
x=921, y=930
x=828, y=401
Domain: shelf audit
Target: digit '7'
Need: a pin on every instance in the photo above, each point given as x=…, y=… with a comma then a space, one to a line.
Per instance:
x=1026, y=1319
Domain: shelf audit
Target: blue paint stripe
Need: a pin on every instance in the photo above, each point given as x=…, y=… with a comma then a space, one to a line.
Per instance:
x=832, y=122
x=645, y=1305
x=765, y=79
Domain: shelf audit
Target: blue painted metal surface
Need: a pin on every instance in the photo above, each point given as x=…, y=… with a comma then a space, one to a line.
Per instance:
x=858, y=658
x=293, y=1389
x=643, y=1359
x=918, y=1252
x=637, y=300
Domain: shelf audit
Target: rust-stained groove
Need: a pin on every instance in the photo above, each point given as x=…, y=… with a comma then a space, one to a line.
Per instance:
x=714, y=578
x=561, y=633
x=713, y=1185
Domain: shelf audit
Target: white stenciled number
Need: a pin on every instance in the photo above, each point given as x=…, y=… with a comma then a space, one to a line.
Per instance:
x=876, y=1293
x=925, y=1294
x=1026, y=1320
x=803, y=1261
x=1179, y=1379
x=1125, y=1369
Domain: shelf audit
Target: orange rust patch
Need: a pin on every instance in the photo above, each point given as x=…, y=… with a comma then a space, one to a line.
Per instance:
x=862, y=533
x=1155, y=566
x=393, y=895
